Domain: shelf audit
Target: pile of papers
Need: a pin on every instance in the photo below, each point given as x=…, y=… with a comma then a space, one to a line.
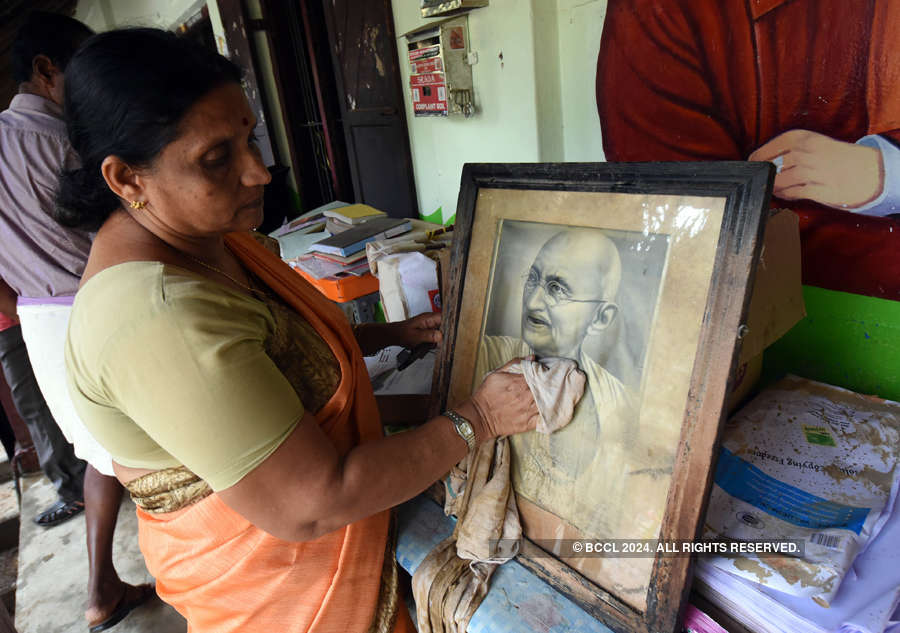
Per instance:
x=805, y=460
x=330, y=241
x=320, y=266
x=341, y=246
x=866, y=601
x=344, y=253
x=295, y=237
x=354, y=240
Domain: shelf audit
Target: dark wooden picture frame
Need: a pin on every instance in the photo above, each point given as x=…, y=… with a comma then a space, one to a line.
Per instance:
x=745, y=189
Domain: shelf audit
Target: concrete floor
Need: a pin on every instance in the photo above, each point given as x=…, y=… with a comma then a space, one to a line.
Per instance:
x=51, y=593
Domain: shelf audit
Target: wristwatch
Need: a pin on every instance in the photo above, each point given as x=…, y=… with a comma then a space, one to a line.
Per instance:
x=463, y=427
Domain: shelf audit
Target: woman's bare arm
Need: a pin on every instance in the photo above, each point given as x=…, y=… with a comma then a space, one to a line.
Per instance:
x=305, y=489
x=424, y=328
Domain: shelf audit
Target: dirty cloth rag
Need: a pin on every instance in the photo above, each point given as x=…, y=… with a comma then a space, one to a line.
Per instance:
x=453, y=579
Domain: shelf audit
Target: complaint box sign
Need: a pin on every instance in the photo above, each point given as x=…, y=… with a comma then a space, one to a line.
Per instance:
x=429, y=94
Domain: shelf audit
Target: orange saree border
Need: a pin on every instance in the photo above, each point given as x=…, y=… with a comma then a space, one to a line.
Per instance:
x=225, y=575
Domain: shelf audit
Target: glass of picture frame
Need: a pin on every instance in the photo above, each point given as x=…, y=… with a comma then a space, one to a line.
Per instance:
x=641, y=272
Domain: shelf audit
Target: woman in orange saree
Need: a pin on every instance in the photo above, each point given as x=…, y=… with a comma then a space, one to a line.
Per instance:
x=200, y=554
x=232, y=396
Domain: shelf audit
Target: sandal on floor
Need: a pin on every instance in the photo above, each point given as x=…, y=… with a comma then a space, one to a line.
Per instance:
x=59, y=512
x=133, y=597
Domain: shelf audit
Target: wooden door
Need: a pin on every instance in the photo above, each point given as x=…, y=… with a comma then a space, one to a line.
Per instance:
x=305, y=87
x=367, y=73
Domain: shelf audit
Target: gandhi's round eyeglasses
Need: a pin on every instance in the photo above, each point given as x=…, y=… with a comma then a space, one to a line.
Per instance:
x=555, y=293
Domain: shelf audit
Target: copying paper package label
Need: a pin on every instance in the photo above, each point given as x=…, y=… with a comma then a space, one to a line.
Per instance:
x=810, y=461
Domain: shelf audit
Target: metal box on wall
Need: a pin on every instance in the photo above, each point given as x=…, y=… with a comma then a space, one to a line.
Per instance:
x=440, y=80
x=431, y=8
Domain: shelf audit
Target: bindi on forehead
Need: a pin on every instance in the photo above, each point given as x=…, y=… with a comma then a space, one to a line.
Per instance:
x=245, y=121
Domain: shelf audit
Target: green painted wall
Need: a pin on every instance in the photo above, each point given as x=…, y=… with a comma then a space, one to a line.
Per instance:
x=846, y=340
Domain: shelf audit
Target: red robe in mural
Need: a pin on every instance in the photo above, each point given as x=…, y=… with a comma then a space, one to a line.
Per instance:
x=716, y=79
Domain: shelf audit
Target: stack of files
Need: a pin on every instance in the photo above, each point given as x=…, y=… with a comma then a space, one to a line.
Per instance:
x=316, y=219
x=295, y=244
x=354, y=240
x=320, y=266
x=306, y=223
x=296, y=236
x=867, y=601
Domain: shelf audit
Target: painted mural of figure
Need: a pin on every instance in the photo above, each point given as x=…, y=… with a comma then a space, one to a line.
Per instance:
x=813, y=85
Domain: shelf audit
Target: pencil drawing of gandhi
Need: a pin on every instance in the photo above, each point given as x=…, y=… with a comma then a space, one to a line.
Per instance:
x=570, y=295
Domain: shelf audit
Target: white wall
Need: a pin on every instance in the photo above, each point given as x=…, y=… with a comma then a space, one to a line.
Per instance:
x=537, y=104
x=504, y=127
x=102, y=15
x=547, y=80
x=95, y=13
x=218, y=28
x=580, y=26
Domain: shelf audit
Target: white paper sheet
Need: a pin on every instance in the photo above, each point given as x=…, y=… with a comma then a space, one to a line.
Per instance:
x=865, y=603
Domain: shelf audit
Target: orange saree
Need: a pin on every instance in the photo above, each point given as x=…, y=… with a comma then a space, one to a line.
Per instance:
x=225, y=575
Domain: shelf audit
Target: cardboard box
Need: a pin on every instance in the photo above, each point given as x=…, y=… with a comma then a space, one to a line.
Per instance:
x=776, y=303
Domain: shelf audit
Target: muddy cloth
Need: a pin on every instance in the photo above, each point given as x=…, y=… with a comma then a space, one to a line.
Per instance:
x=453, y=579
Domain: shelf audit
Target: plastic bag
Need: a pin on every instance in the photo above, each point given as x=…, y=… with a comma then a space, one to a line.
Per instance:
x=810, y=461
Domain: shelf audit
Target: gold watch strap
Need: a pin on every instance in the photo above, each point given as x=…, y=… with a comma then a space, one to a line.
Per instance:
x=459, y=423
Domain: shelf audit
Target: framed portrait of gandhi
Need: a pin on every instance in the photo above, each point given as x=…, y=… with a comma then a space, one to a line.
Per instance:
x=641, y=273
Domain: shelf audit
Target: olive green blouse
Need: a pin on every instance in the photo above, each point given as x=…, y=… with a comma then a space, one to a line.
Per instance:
x=168, y=368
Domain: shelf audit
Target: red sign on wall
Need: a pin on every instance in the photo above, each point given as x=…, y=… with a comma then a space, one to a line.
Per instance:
x=430, y=65
x=428, y=79
x=457, y=39
x=429, y=98
x=422, y=53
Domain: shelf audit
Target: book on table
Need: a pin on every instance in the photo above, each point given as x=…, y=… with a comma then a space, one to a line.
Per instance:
x=340, y=259
x=334, y=226
x=310, y=218
x=355, y=239
x=319, y=267
x=354, y=214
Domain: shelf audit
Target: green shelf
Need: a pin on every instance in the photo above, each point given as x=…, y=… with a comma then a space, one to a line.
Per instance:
x=848, y=340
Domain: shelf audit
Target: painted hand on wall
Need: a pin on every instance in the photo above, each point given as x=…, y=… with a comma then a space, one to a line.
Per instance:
x=813, y=166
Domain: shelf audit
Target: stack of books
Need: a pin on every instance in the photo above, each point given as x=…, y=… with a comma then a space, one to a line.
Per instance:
x=322, y=265
x=344, y=253
x=354, y=240
x=302, y=225
x=818, y=464
x=294, y=237
x=345, y=218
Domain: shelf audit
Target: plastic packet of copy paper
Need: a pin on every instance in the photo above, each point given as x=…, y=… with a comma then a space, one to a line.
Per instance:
x=809, y=461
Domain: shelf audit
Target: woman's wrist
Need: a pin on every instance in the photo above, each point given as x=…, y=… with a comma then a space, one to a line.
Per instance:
x=373, y=337
x=469, y=411
x=411, y=333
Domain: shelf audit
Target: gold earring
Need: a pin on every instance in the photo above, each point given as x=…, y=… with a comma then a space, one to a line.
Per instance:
x=137, y=204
